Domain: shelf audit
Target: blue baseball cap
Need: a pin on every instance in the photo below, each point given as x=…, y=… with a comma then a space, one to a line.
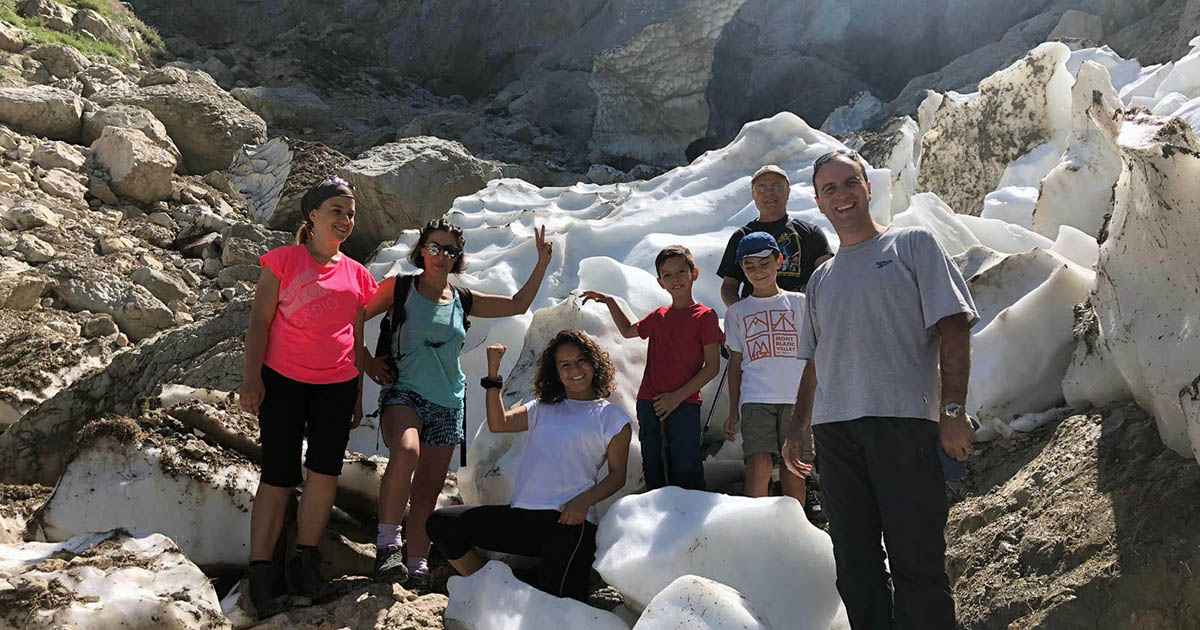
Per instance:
x=757, y=245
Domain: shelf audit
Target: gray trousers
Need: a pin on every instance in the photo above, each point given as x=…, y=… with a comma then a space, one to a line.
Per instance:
x=883, y=477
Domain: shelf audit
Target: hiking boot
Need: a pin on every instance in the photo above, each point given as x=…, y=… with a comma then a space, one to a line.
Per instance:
x=389, y=565
x=812, y=508
x=261, y=579
x=304, y=573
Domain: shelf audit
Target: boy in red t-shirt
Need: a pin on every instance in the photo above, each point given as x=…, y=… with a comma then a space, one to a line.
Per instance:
x=684, y=355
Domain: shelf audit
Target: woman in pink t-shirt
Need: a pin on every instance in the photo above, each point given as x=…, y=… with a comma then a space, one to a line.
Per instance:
x=302, y=380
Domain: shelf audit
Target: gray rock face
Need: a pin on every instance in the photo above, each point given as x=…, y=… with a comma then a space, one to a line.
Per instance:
x=40, y=110
x=129, y=117
x=650, y=91
x=404, y=184
x=294, y=107
x=205, y=122
x=138, y=167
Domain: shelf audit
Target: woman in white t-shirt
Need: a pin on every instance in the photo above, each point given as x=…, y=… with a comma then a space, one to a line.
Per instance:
x=573, y=431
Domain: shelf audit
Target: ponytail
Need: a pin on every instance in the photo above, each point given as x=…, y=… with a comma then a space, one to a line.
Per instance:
x=304, y=234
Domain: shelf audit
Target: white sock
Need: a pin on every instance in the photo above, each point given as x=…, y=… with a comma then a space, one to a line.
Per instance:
x=388, y=535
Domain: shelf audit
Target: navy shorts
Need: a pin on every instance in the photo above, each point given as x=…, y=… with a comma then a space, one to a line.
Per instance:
x=292, y=411
x=440, y=426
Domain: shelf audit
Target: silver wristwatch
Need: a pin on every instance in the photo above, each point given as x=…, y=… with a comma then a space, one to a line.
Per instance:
x=953, y=410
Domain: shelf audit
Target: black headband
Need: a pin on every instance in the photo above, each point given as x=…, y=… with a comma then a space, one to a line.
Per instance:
x=327, y=189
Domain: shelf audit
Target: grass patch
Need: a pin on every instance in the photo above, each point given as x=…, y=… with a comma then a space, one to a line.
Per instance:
x=151, y=44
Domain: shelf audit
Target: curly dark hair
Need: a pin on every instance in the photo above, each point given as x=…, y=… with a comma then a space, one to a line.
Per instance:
x=547, y=386
x=439, y=225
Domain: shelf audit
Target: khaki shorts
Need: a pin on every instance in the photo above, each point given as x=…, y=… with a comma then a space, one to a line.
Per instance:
x=765, y=427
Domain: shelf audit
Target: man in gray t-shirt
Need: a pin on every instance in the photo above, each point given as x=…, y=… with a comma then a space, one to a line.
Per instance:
x=888, y=331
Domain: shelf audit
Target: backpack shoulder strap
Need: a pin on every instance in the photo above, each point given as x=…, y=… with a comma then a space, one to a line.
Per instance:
x=399, y=297
x=467, y=299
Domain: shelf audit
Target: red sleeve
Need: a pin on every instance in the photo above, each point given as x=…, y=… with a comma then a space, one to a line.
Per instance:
x=710, y=328
x=367, y=285
x=277, y=261
x=646, y=326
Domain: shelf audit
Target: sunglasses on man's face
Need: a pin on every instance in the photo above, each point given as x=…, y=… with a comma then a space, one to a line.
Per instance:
x=449, y=251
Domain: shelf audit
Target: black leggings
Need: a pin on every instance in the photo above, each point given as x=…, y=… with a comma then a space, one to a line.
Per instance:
x=567, y=551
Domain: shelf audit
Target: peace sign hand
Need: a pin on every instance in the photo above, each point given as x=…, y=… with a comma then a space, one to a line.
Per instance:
x=545, y=248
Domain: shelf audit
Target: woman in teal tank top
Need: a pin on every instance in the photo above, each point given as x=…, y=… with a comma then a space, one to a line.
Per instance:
x=422, y=404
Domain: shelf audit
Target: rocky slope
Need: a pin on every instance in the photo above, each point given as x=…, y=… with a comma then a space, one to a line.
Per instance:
x=635, y=82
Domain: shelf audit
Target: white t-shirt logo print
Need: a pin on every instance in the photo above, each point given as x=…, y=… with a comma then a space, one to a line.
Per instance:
x=771, y=334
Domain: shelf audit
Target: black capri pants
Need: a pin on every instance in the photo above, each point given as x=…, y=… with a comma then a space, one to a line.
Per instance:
x=292, y=411
x=567, y=551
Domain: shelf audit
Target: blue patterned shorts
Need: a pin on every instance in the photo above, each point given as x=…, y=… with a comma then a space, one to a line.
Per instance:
x=440, y=426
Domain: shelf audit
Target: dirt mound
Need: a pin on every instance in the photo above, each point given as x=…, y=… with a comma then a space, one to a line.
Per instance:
x=1089, y=523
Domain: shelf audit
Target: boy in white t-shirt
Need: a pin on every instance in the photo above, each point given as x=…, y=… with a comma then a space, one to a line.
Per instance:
x=762, y=332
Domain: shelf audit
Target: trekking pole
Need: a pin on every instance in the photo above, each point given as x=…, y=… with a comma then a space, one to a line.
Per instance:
x=662, y=440
x=713, y=407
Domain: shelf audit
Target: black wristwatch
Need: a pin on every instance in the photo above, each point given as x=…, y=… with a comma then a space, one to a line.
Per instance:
x=488, y=383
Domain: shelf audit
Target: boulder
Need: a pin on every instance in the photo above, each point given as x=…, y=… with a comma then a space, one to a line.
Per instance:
x=63, y=183
x=27, y=215
x=105, y=580
x=104, y=29
x=54, y=15
x=135, y=309
x=700, y=604
x=163, y=285
x=493, y=599
x=12, y=39
x=129, y=117
x=21, y=287
x=166, y=75
x=101, y=76
x=120, y=476
x=294, y=107
x=34, y=249
x=241, y=251
x=969, y=140
x=57, y=154
x=402, y=185
x=718, y=537
x=138, y=167
x=207, y=124
x=60, y=60
x=41, y=111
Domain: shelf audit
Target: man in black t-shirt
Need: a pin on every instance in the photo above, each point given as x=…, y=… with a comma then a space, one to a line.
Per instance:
x=804, y=246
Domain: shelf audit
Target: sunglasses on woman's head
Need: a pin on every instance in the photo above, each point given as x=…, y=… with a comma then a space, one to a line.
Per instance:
x=449, y=251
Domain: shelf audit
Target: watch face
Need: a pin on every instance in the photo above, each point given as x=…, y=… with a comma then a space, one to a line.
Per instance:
x=953, y=410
